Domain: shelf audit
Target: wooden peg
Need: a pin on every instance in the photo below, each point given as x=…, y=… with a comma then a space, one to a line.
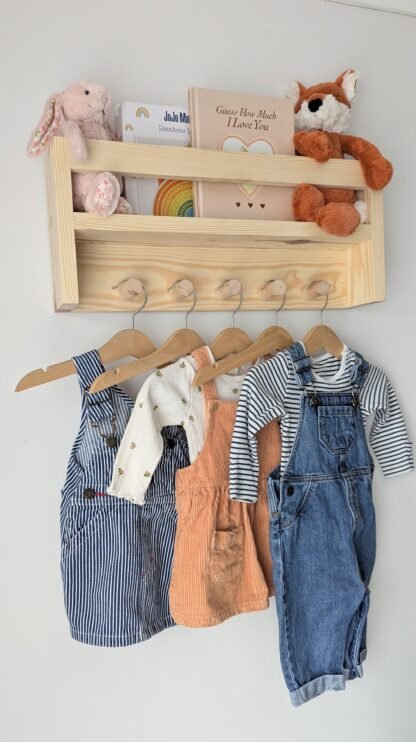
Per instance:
x=274, y=287
x=182, y=288
x=318, y=289
x=229, y=288
x=130, y=288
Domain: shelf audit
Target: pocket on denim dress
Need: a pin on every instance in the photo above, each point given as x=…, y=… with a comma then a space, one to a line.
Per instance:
x=82, y=518
x=336, y=425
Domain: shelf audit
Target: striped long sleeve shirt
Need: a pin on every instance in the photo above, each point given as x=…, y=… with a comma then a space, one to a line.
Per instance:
x=270, y=391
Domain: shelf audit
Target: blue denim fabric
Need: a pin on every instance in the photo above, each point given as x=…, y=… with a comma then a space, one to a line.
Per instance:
x=322, y=538
x=116, y=556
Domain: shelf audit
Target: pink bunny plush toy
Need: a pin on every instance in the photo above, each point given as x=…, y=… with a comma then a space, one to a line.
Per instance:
x=81, y=112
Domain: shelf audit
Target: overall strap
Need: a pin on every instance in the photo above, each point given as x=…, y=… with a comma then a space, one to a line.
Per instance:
x=98, y=406
x=359, y=371
x=202, y=358
x=302, y=364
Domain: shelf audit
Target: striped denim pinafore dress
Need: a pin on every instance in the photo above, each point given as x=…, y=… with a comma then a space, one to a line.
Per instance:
x=116, y=556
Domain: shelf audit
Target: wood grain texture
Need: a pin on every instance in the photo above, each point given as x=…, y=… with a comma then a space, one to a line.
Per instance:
x=188, y=163
x=180, y=343
x=271, y=340
x=99, y=252
x=103, y=265
x=165, y=230
x=375, y=246
x=62, y=235
x=366, y=268
x=122, y=345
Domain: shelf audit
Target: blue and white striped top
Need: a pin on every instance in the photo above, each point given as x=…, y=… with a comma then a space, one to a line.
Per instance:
x=270, y=390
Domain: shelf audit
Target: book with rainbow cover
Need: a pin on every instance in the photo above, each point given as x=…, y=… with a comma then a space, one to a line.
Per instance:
x=148, y=123
x=239, y=122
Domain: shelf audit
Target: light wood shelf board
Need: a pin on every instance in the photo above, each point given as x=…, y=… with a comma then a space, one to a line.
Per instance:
x=101, y=266
x=193, y=231
x=153, y=161
x=61, y=228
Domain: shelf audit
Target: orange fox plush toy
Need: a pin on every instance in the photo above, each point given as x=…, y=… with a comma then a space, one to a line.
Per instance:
x=322, y=115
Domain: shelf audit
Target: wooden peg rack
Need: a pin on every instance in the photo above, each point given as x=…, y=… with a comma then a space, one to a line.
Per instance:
x=91, y=254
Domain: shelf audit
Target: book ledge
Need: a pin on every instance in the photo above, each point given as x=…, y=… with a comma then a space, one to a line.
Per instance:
x=92, y=254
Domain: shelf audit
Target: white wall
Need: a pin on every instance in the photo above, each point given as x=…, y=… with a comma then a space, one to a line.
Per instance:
x=222, y=684
x=391, y=6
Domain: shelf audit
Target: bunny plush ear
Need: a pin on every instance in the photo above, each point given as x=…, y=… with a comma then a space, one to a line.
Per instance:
x=348, y=82
x=47, y=128
x=294, y=91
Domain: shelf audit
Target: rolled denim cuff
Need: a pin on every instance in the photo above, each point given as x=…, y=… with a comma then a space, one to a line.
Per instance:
x=316, y=687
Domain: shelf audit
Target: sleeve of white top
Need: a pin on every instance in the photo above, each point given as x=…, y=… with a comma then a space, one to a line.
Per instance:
x=388, y=435
x=163, y=400
x=261, y=400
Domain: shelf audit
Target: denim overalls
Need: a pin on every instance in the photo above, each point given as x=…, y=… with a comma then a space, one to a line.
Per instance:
x=116, y=556
x=322, y=537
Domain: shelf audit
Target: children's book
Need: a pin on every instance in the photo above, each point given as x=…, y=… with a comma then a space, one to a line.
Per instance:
x=146, y=123
x=239, y=122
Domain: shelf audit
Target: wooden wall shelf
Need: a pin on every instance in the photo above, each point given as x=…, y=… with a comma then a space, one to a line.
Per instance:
x=92, y=254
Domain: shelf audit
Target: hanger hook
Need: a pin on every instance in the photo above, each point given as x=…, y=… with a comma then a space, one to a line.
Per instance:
x=230, y=292
x=279, y=308
x=320, y=288
x=142, y=306
x=238, y=307
x=275, y=287
x=188, y=289
x=191, y=309
x=321, y=311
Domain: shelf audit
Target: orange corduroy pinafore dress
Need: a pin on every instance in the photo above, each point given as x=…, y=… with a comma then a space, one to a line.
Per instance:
x=222, y=564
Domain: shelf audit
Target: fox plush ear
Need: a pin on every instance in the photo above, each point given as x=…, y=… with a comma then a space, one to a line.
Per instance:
x=348, y=82
x=294, y=91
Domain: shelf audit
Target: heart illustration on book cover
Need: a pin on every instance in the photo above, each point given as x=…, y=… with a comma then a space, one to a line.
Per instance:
x=241, y=123
x=258, y=146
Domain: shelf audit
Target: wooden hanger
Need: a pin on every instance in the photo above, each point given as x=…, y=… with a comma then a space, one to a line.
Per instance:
x=272, y=339
x=180, y=343
x=232, y=339
x=322, y=337
x=123, y=344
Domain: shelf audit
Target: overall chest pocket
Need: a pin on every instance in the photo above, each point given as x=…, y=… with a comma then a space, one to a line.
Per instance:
x=336, y=425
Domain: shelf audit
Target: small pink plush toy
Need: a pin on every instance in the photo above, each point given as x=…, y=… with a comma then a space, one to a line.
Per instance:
x=81, y=112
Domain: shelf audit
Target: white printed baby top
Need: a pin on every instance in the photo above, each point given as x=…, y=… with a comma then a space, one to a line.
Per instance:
x=270, y=390
x=166, y=398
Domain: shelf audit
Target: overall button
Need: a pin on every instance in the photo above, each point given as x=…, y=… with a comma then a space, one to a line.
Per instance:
x=89, y=493
x=111, y=441
x=315, y=402
x=290, y=490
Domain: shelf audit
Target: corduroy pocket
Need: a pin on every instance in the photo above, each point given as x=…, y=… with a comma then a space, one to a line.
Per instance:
x=227, y=555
